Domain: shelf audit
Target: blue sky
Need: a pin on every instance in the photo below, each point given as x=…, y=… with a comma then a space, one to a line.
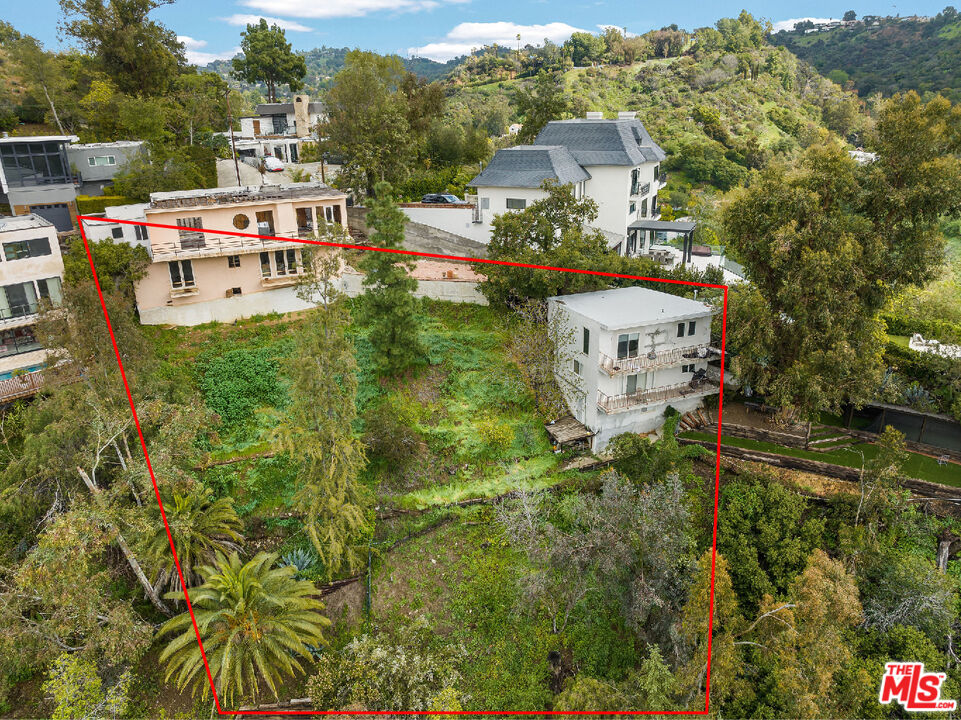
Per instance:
x=438, y=28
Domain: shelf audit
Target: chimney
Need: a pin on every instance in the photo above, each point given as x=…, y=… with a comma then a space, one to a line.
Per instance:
x=301, y=116
x=627, y=115
x=594, y=115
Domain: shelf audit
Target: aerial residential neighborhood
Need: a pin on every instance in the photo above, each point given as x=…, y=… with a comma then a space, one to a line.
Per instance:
x=424, y=357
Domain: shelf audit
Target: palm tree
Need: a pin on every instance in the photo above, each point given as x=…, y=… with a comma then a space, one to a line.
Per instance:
x=201, y=527
x=255, y=621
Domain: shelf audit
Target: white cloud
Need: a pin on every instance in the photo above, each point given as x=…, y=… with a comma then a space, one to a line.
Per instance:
x=789, y=24
x=343, y=8
x=469, y=36
x=242, y=20
x=624, y=32
x=195, y=56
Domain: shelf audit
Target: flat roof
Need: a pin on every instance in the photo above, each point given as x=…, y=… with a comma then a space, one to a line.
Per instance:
x=10, y=223
x=203, y=197
x=114, y=144
x=632, y=307
x=38, y=138
x=668, y=225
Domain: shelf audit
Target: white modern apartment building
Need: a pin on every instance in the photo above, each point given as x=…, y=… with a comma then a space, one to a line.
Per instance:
x=31, y=271
x=628, y=353
x=279, y=129
x=612, y=161
x=197, y=277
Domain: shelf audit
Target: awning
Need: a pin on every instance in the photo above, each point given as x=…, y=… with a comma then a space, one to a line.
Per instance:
x=663, y=225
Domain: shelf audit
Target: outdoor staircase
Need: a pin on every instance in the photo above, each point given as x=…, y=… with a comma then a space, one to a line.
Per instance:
x=825, y=438
x=696, y=419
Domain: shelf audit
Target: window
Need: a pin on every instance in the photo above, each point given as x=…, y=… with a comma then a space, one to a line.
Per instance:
x=577, y=367
x=22, y=249
x=265, y=264
x=190, y=239
x=690, y=327
x=100, y=160
x=233, y=261
x=636, y=383
x=265, y=222
x=305, y=220
x=635, y=180
x=485, y=203
x=680, y=329
x=117, y=233
x=241, y=221
x=586, y=341
x=236, y=291
x=279, y=260
x=627, y=345
x=688, y=368
x=632, y=208
x=631, y=243
x=181, y=274
x=140, y=232
x=18, y=300
x=644, y=207
x=18, y=340
x=36, y=163
x=516, y=203
x=50, y=288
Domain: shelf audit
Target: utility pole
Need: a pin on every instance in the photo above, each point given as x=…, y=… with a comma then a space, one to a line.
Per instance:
x=233, y=146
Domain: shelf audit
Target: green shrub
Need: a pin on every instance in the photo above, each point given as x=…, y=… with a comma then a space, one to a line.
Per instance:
x=930, y=328
x=239, y=382
x=90, y=205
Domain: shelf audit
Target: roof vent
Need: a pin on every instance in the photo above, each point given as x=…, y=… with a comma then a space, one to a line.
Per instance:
x=627, y=115
x=593, y=115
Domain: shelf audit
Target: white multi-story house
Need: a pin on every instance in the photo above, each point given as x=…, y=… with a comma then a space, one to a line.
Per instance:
x=279, y=129
x=612, y=161
x=627, y=354
x=31, y=270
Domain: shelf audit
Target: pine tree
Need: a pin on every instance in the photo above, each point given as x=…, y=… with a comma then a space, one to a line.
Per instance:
x=389, y=301
x=317, y=425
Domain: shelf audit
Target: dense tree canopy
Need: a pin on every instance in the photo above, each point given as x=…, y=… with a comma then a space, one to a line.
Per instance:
x=267, y=58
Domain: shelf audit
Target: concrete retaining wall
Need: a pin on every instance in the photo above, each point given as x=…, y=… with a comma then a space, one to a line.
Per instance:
x=454, y=219
x=425, y=238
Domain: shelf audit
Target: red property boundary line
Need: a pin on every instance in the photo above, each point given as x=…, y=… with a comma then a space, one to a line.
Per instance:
x=163, y=515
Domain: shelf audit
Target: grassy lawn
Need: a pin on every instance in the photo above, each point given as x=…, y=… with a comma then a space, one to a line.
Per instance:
x=917, y=466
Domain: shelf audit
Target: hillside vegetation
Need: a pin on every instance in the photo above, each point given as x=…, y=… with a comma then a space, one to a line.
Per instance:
x=895, y=55
x=716, y=113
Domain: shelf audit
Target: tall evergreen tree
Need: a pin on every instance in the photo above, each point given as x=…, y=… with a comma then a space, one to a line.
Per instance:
x=316, y=430
x=268, y=58
x=389, y=300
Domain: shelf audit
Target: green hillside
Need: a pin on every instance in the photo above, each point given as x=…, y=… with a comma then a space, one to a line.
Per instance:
x=715, y=113
x=888, y=55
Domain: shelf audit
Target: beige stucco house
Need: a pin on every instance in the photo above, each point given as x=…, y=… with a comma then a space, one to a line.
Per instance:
x=197, y=277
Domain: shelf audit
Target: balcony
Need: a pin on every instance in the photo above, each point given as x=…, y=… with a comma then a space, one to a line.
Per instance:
x=662, y=179
x=21, y=387
x=611, y=404
x=643, y=363
x=215, y=245
x=18, y=314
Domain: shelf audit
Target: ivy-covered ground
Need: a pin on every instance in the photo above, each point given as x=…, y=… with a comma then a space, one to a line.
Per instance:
x=460, y=426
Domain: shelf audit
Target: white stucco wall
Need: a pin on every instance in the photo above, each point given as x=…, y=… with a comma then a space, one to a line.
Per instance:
x=497, y=201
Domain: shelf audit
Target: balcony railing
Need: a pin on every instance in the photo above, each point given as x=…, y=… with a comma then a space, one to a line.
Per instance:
x=21, y=387
x=662, y=178
x=19, y=346
x=616, y=403
x=17, y=313
x=643, y=362
x=214, y=245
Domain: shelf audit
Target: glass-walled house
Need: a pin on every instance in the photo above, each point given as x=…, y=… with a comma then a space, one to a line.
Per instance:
x=36, y=177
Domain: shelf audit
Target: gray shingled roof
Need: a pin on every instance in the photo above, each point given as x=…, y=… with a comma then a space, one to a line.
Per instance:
x=529, y=166
x=602, y=142
x=286, y=107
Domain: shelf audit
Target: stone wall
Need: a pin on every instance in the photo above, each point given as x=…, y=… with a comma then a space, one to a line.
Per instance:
x=424, y=238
